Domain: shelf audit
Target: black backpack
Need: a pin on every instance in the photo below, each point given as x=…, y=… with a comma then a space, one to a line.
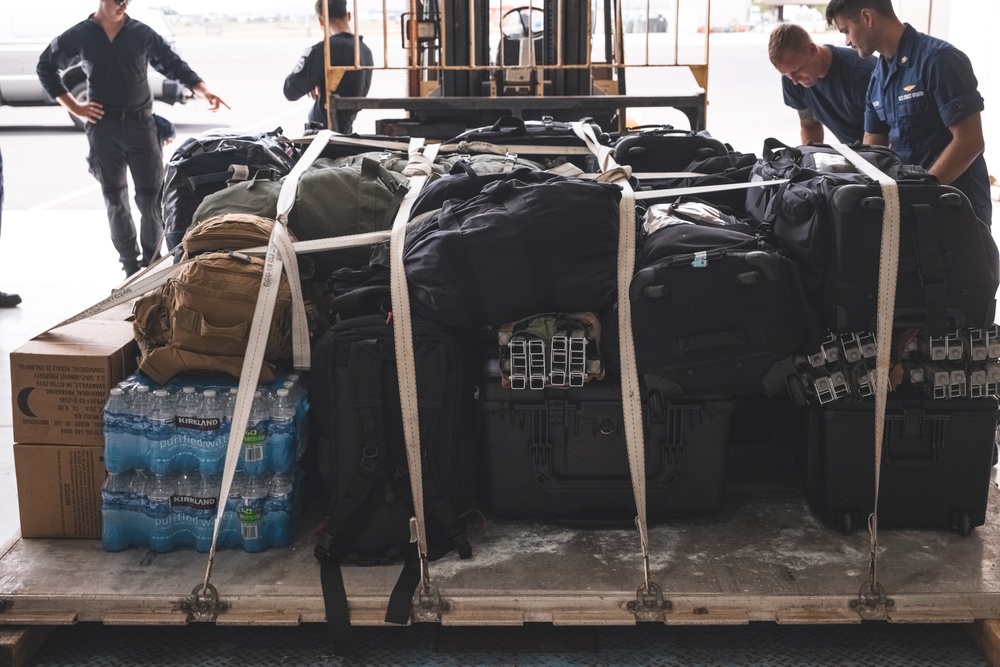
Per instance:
x=358, y=436
x=206, y=163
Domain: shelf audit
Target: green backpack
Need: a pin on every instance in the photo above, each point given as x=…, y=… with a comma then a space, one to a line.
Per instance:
x=331, y=201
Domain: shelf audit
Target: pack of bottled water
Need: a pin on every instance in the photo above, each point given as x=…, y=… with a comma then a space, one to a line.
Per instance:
x=165, y=450
x=162, y=512
x=185, y=425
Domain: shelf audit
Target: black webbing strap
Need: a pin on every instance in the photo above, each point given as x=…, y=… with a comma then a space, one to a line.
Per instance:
x=932, y=274
x=401, y=599
x=338, y=616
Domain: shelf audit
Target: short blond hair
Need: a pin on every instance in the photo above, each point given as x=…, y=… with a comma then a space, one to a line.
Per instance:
x=787, y=38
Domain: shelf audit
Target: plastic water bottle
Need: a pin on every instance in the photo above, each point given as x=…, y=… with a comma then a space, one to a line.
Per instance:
x=253, y=455
x=116, y=525
x=229, y=404
x=137, y=516
x=213, y=435
x=161, y=432
x=184, y=508
x=208, y=498
x=141, y=402
x=252, y=528
x=300, y=399
x=278, y=509
x=158, y=508
x=119, y=442
x=281, y=438
x=230, y=531
x=188, y=402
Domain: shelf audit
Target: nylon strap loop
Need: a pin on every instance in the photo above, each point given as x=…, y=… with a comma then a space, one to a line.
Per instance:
x=420, y=158
x=888, y=273
x=279, y=247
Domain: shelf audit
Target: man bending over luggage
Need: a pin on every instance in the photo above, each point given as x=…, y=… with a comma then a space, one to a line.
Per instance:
x=309, y=75
x=923, y=100
x=116, y=51
x=826, y=84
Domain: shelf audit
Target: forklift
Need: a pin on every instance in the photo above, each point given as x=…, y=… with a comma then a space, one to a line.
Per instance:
x=470, y=62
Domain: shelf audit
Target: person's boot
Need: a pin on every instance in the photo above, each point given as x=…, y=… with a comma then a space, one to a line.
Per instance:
x=9, y=300
x=130, y=268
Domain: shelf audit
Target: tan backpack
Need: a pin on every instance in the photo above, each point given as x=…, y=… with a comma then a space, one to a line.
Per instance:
x=200, y=320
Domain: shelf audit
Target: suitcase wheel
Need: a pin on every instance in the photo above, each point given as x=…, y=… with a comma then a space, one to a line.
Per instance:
x=965, y=525
x=846, y=523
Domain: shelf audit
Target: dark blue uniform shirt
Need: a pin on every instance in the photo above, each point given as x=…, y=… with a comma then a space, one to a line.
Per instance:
x=838, y=99
x=310, y=73
x=916, y=96
x=116, y=70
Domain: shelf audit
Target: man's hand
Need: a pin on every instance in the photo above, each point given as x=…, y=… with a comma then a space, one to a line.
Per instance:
x=214, y=101
x=90, y=112
x=314, y=93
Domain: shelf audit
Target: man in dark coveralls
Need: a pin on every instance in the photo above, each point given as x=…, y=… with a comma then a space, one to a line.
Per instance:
x=825, y=84
x=309, y=75
x=116, y=51
x=923, y=100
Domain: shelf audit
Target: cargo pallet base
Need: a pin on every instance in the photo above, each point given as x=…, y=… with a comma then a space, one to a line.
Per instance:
x=766, y=557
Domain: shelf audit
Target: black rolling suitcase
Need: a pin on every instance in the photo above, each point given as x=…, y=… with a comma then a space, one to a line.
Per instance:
x=663, y=149
x=948, y=273
x=937, y=461
x=716, y=311
x=559, y=455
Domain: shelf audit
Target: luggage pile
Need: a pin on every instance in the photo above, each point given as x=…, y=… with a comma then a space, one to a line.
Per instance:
x=580, y=341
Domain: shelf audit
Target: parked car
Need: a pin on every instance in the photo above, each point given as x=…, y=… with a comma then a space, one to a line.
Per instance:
x=26, y=29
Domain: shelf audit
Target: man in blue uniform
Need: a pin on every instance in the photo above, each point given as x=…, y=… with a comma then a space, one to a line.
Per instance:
x=116, y=51
x=923, y=100
x=309, y=75
x=826, y=84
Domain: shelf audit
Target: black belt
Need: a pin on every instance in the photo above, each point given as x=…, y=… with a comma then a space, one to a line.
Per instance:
x=127, y=114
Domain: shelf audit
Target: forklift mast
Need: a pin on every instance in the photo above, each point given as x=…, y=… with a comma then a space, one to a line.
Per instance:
x=470, y=62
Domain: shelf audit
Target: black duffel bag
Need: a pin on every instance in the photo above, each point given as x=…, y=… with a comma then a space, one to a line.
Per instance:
x=206, y=163
x=514, y=250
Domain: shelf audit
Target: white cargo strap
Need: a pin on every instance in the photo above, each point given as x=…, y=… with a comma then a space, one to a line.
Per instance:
x=704, y=189
x=160, y=273
x=283, y=242
x=419, y=170
x=635, y=441
x=887, y=275
x=388, y=144
x=504, y=149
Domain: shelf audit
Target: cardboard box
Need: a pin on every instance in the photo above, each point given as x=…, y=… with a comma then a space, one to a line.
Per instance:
x=60, y=381
x=59, y=490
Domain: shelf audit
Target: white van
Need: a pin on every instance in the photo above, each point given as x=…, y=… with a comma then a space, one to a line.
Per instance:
x=26, y=29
